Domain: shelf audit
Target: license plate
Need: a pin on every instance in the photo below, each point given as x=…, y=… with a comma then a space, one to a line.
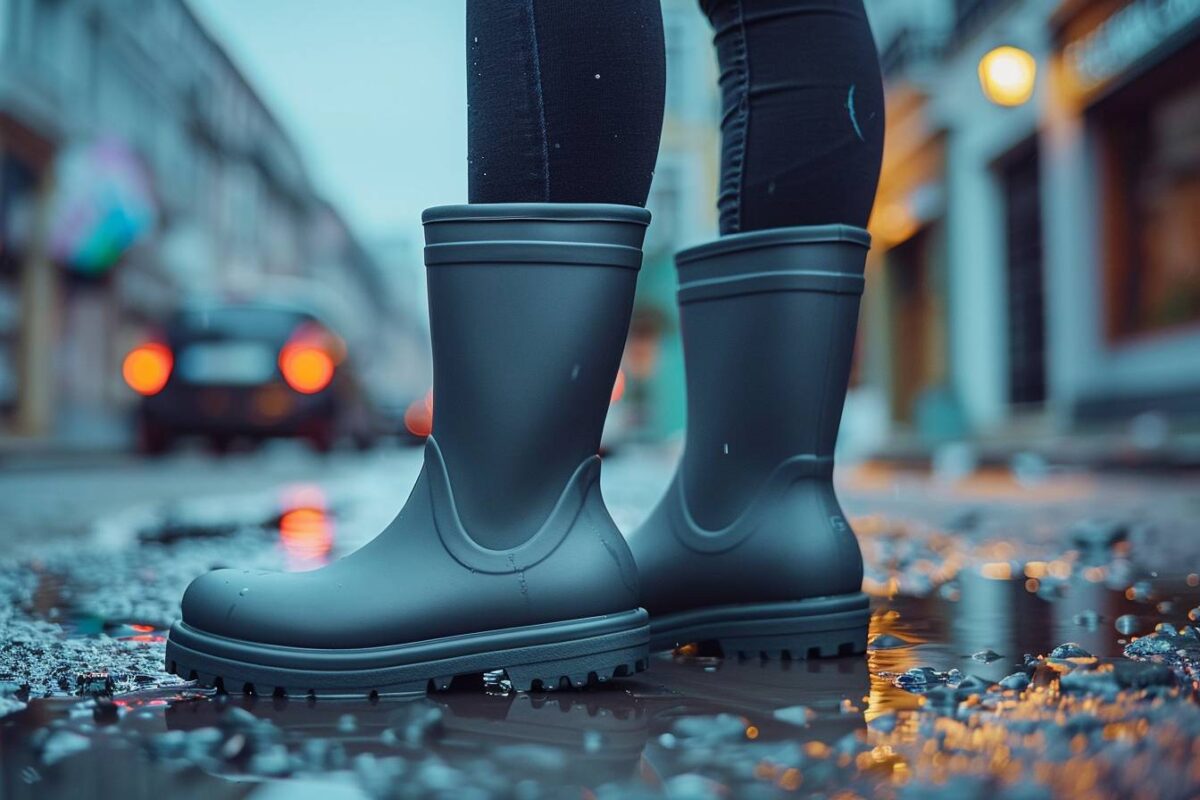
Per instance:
x=227, y=363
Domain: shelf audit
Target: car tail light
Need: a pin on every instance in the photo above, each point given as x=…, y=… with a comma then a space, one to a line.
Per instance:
x=147, y=367
x=310, y=358
x=306, y=367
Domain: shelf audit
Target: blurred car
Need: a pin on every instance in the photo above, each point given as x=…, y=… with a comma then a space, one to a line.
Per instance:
x=247, y=370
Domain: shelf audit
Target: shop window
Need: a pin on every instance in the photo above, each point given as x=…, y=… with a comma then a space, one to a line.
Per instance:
x=1150, y=149
x=971, y=15
x=915, y=324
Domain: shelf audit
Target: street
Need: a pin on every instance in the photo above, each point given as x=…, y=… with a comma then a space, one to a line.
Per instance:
x=1004, y=602
x=911, y=279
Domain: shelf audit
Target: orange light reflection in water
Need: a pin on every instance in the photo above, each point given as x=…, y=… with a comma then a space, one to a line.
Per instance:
x=885, y=697
x=305, y=527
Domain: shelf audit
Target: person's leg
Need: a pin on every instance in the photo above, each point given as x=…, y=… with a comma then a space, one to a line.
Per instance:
x=565, y=105
x=802, y=138
x=749, y=546
x=564, y=100
x=504, y=556
x=802, y=112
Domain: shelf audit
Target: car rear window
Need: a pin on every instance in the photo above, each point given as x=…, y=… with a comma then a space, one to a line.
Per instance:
x=240, y=323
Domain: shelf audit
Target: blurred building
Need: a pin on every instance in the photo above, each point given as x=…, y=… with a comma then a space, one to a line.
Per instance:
x=1036, y=270
x=139, y=170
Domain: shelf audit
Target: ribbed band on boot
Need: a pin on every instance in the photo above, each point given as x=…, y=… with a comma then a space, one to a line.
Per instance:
x=830, y=260
x=593, y=234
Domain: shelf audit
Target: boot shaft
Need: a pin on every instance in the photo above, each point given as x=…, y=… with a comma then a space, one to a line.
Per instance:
x=529, y=308
x=768, y=321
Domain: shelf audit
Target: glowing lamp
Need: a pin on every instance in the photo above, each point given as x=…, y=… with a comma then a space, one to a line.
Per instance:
x=1007, y=75
x=146, y=368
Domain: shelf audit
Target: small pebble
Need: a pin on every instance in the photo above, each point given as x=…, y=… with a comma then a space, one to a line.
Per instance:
x=1152, y=645
x=796, y=715
x=63, y=744
x=1069, y=650
x=1018, y=681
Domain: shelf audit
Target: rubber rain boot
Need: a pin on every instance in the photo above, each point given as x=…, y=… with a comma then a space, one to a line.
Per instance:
x=749, y=546
x=504, y=557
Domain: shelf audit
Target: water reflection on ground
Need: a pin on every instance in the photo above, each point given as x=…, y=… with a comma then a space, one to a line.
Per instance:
x=695, y=725
x=1059, y=663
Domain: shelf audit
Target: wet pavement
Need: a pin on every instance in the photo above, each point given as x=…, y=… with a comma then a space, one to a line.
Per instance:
x=1032, y=636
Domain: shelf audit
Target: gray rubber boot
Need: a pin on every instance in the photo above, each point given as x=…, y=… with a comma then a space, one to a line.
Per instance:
x=504, y=556
x=749, y=547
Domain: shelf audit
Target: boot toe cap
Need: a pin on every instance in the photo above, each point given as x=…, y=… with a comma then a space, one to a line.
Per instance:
x=302, y=609
x=224, y=602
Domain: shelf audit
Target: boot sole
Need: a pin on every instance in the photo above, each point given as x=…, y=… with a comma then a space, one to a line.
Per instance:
x=818, y=627
x=570, y=654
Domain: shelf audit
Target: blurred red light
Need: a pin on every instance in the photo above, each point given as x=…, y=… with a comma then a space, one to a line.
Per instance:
x=306, y=368
x=146, y=368
x=418, y=417
x=306, y=533
x=618, y=389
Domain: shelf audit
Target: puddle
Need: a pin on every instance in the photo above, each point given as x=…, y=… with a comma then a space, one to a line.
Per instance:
x=998, y=667
x=696, y=724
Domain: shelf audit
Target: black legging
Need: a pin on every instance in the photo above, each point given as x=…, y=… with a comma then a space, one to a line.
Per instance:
x=565, y=104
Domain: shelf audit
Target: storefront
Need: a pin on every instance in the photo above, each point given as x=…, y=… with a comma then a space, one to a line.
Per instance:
x=1128, y=79
x=902, y=347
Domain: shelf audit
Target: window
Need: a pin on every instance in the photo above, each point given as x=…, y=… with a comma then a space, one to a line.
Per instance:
x=1024, y=276
x=916, y=324
x=1150, y=149
x=971, y=15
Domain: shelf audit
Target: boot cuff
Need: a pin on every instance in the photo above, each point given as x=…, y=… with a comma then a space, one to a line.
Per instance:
x=820, y=258
x=593, y=234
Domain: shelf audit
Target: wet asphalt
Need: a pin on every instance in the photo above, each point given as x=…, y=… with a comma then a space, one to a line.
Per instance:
x=1032, y=636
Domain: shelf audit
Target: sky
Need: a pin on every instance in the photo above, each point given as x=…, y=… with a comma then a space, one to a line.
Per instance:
x=373, y=92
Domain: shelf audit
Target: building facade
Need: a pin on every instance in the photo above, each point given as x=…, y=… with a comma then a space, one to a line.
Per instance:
x=229, y=207
x=1036, y=269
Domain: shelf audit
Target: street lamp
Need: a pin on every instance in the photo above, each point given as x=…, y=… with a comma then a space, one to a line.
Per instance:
x=1007, y=75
